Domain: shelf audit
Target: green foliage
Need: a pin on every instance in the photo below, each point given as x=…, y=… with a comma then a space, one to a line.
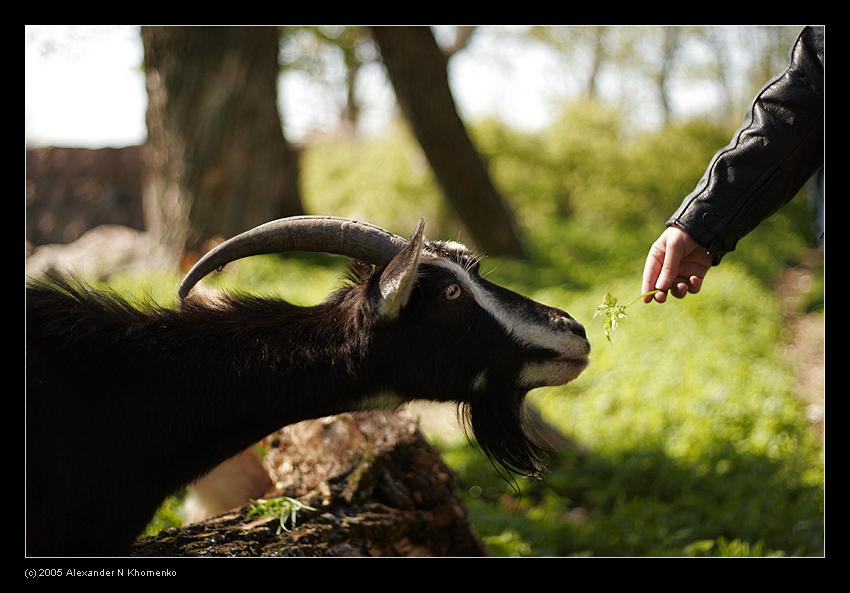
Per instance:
x=617, y=188
x=587, y=166
x=286, y=509
x=167, y=515
x=612, y=312
x=301, y=278
x=508, y=543
x=386, y=181
x=723, y=547
x=812, y=299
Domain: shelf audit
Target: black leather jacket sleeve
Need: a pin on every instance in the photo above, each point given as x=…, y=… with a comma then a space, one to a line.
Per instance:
x=779, y=146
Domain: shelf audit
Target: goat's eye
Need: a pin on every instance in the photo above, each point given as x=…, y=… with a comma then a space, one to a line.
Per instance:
x=452, y=292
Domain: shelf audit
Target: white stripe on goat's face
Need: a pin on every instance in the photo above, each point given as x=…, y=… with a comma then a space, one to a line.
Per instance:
x=533, y=325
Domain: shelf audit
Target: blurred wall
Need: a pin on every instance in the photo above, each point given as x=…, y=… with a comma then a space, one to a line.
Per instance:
x=71, y=190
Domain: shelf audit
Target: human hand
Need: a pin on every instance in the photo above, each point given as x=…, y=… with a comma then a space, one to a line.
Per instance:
x=676, y=263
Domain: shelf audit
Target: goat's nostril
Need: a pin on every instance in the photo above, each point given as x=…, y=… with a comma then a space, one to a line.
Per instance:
x=578, y=329
x=563, y=323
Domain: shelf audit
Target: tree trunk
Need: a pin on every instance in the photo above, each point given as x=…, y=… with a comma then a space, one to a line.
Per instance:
x=417, y=69
x=597, y=60
x=217, y=161
x=351, y=110
x=669, y=47
x=718, y=41
x=463, y=33
x=379, y=489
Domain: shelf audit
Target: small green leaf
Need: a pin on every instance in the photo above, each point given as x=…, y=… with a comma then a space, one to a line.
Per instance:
x=612, y=312
x=284, y=508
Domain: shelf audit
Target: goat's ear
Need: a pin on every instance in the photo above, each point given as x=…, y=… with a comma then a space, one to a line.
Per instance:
x=399, y=276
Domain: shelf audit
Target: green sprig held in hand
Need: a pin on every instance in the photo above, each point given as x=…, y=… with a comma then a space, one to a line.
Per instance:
x=612, y=311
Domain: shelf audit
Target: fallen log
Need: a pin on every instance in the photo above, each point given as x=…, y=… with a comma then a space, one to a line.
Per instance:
x=378, y=487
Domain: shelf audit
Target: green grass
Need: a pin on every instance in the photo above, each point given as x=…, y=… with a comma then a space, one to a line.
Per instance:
x=168, y=515
x=283, y=508
x=696, y=443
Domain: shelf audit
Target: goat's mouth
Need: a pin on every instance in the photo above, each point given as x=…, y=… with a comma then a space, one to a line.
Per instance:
x=553, y=372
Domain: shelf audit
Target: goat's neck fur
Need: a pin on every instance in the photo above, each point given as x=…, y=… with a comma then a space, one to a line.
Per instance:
x=175, y=392
x=251, y=365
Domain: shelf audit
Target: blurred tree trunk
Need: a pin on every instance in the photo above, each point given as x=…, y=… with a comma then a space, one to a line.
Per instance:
x=217, y=161
x=463, y=34
x=417, y=69
x=669, y=47
x=718, y=41
x=351, y=111
x=598, y=59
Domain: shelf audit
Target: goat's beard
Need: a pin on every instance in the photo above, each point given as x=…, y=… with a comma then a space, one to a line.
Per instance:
x=504, y=433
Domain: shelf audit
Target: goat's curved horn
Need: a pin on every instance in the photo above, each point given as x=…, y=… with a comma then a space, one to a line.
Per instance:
x=325, y=234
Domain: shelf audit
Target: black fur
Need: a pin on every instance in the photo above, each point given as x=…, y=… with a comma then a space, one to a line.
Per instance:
x=126, y=403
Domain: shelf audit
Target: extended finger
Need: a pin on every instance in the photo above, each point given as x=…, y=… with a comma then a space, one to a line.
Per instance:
x=651, y=269
x=670, y=268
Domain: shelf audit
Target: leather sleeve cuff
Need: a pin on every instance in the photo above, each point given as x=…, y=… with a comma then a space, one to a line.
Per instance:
x=697, y=224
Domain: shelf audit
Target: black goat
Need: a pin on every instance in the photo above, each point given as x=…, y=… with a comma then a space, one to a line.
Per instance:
x=126, y=404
